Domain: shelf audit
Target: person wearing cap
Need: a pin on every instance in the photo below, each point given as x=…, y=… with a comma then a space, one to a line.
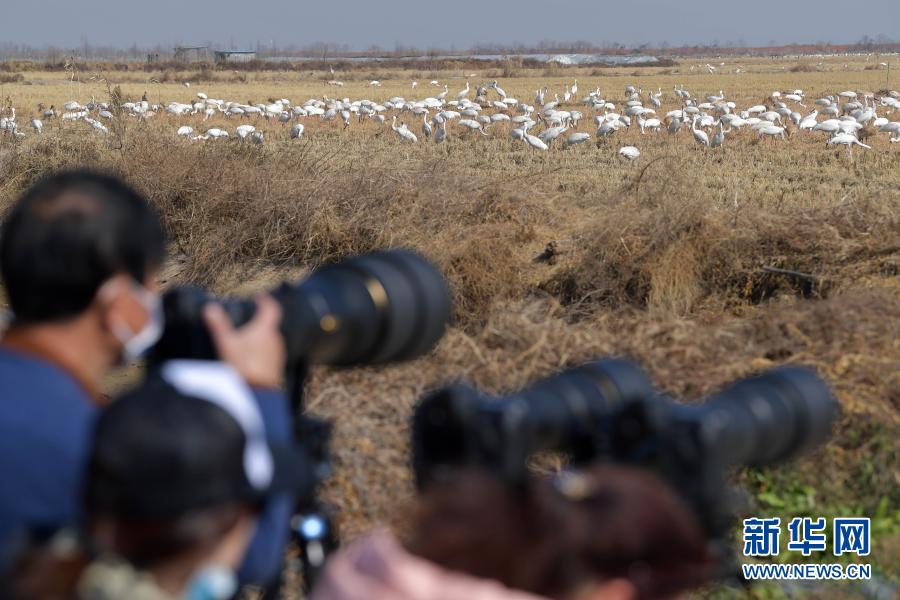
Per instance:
x=177, y=472
x=80, y=255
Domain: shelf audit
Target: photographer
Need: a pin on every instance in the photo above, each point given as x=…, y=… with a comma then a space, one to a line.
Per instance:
x=177, y=473
x=79, y=255
x=605, y=533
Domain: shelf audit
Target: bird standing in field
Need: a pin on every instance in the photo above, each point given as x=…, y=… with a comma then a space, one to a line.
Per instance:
x=577, y=138
x=772, y=131
x=846, y=139
x=243, y=131
x=699, y=135
x=463, y=92
x=441, y=135
x=674, y=126
x=629, y=152
x=718, y=139
x=533, y=141
x=403, y=132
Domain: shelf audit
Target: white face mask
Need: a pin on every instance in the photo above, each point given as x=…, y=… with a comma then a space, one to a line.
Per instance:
x=212, y=583
x=135, y=345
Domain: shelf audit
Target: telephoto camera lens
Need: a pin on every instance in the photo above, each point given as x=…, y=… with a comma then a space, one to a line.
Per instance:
x=459, y=426
x=372, y=309
x=766, y=419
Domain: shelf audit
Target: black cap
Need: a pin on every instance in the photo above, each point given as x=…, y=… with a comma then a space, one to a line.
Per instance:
x=189, y=437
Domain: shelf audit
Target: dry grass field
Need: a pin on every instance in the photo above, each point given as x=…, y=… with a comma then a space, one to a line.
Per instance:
x=660, y=259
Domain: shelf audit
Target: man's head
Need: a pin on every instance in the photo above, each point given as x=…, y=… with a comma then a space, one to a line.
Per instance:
x=82, y=245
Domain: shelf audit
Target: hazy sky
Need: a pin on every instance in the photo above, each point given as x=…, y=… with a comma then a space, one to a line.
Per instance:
x=459, y=23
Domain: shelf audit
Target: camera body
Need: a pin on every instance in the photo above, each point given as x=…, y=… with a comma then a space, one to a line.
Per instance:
x=608, y=410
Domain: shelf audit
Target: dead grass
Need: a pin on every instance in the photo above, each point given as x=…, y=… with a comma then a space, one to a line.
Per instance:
x=660, y=260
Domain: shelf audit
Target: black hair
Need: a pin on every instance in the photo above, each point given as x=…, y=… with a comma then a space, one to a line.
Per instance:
x=68, y=234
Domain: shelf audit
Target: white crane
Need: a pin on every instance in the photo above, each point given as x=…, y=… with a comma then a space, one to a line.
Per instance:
x=828, y=126
x=533, y=141
x=577, y=138
x=674, y=125
x=629, y=152
x=548, y=135
x=809, y=121
x=243, y=131
x=472, y=125
x=718, y=139
x=98, y=126
x=463, y=92
x=699, y=135
x=653, y=124
x=772, y=131
x=846, y=139
x=403, y=132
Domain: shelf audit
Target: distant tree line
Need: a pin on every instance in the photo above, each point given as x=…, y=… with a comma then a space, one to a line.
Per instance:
x=331, y=51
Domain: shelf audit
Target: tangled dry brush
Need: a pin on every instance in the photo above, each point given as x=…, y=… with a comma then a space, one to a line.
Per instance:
x=701, y=276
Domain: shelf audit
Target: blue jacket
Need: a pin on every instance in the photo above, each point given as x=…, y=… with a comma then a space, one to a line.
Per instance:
x=46, y=423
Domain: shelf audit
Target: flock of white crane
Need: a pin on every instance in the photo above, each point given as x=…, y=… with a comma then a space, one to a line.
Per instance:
x=843, y=118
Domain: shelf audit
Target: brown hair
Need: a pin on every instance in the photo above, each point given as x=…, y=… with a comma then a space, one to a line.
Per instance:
x=554, y=536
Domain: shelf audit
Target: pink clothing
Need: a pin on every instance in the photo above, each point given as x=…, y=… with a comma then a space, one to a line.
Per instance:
x=377, y=567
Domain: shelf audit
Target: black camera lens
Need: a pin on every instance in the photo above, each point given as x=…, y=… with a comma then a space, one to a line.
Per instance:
x=768, y=418
x=372, y=309
x=458, y=426
x=609, y=410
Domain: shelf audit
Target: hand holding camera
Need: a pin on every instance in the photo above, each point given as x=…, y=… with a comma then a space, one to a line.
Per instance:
x=256, y=350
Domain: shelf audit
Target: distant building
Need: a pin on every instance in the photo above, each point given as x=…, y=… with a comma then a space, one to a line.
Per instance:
x=234, y=56
x=152, y=57
x=191, y=53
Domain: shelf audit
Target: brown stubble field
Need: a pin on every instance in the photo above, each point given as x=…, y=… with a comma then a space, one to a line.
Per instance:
x=660, y=259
